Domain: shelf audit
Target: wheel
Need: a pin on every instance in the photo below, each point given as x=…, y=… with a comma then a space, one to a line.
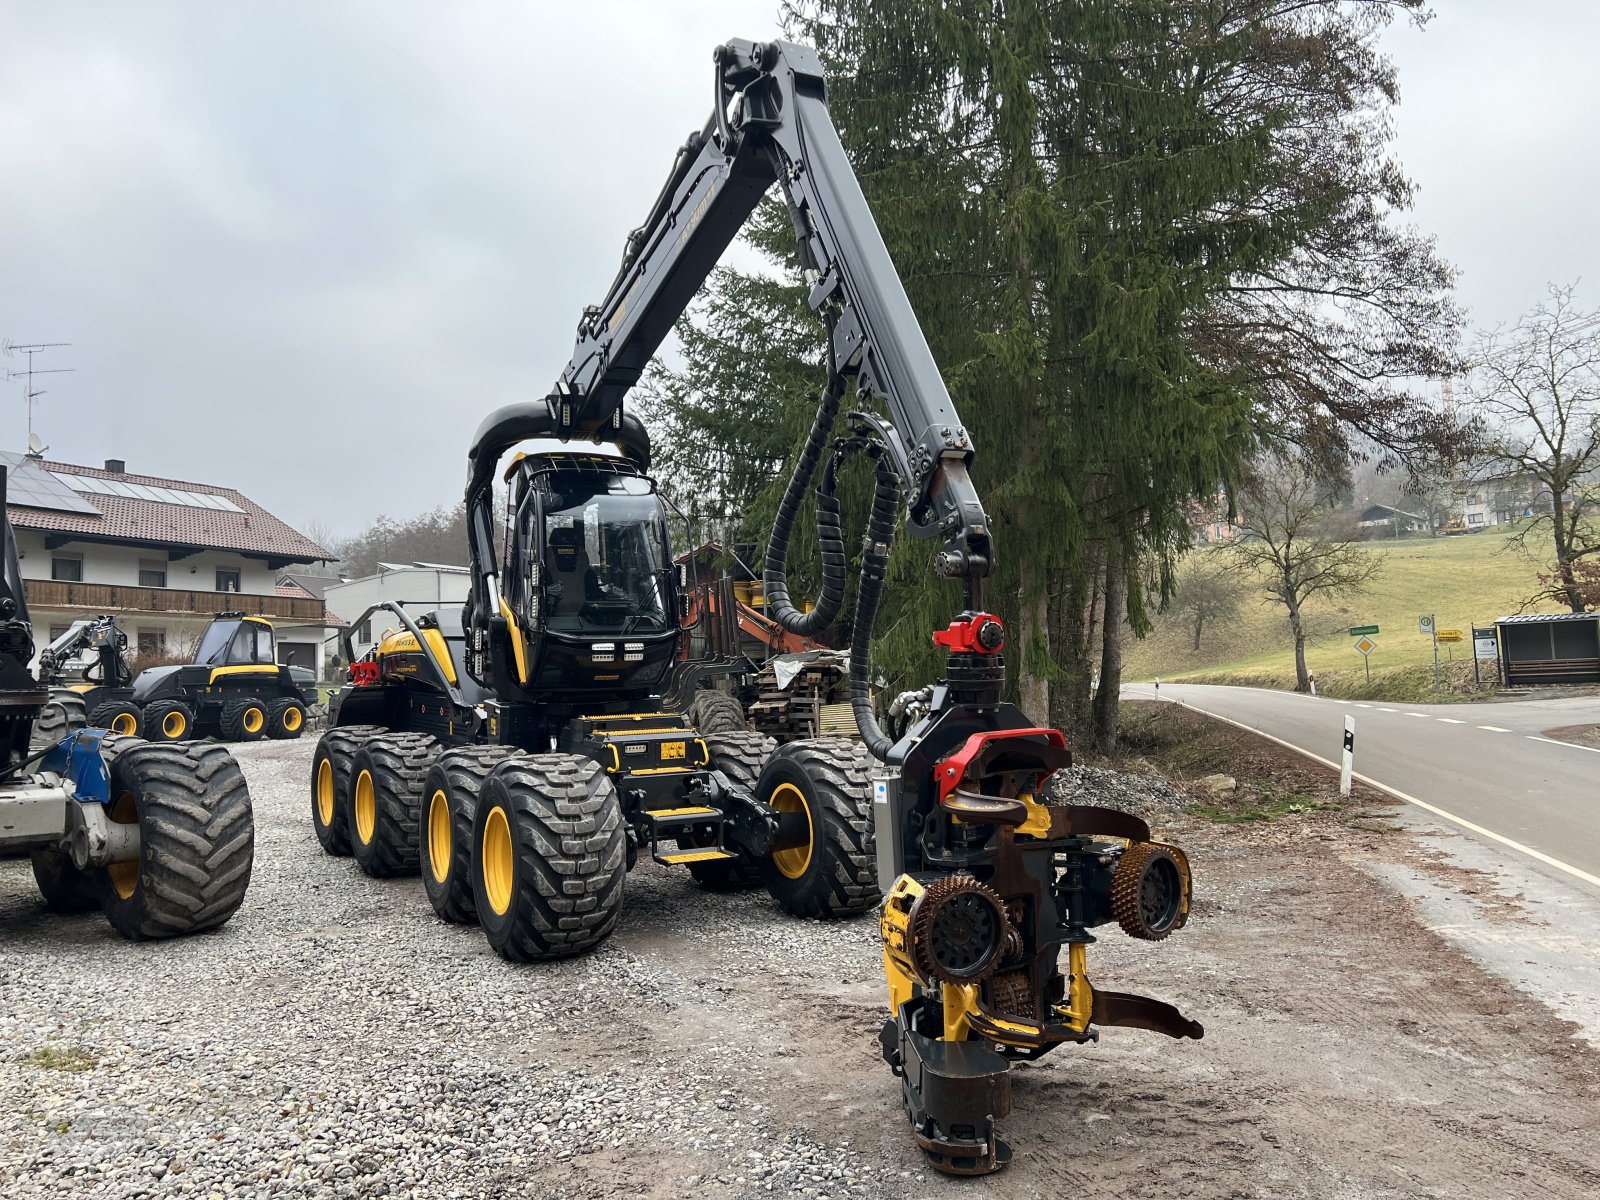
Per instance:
x=119, y=717
x=196, y=839
x=243, y=720
x=386, y=776
x=739, y=756
x=61, y=715
x=330, y=784
x=449, y=800
x=168, y=721
x=286, y=720
x=550, y=856
x=716, y=712
x=65, y=888
x=827, y=869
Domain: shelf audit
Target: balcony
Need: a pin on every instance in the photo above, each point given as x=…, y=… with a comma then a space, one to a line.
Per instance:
x=117, y=598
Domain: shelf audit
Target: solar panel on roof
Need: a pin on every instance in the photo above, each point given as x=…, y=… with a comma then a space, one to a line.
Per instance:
x=143, y=491
x=29, y=485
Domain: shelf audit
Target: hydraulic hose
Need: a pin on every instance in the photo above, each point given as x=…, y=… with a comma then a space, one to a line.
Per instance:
x=881, y=528
x=830, y=532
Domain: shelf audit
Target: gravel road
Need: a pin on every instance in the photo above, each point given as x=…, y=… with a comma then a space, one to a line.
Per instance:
x=336, y=1040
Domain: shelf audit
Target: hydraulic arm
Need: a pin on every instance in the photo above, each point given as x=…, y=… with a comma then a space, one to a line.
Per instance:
x=990, y=891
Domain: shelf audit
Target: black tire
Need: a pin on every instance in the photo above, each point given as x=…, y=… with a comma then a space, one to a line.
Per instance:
x=549, y=882
x=243, y=720
x=196, y=839
x=449, y=802
x=330, y=784
x=119, y=717
x=716, y=712
x=741, y=757
x=383, y=824
x=168, y=721
x=65, y=888
x=286, y=720
x=61, y=715
x=834, y=874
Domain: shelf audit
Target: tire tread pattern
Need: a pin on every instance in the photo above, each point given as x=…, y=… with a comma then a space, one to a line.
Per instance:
x=845, y=882
x=461, y=772
x=338, y=746
x=571, y=846
x=196, y=832
x=399, y=763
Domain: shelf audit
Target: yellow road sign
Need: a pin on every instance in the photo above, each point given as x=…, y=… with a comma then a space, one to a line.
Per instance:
x=1449, y=635
x=1366, y=645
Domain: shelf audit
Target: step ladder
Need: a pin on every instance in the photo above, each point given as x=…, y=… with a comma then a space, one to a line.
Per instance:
x=666, y=822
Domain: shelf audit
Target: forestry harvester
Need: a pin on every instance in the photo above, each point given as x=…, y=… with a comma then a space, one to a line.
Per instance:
x=517, y=748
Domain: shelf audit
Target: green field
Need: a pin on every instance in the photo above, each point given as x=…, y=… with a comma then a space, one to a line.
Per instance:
x=1474, y=578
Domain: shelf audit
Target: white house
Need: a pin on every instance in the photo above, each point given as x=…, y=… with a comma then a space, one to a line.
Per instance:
x=161, y=555
x=417, y=587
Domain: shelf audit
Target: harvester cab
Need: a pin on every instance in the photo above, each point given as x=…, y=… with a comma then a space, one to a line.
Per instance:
x=588, y=581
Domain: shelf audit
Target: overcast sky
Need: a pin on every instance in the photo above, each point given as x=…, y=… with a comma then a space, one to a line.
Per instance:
x=302, y=248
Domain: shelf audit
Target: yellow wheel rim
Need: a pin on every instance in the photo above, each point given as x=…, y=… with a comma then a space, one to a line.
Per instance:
x=366, y=806
x=439, y=836
x=124, y=876
x=497, y=859
x=792, y=863
x=254, y=719
x=325, y=793
x=292, y=718
x=125, y=723
x=173, y=725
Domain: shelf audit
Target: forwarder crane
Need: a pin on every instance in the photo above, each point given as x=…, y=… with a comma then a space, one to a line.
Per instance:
x=989, y=893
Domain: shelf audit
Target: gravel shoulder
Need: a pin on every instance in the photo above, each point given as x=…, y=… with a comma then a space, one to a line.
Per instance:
x=336, y=1039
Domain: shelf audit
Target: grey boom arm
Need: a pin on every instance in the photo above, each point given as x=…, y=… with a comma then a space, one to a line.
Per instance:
x=769, y=124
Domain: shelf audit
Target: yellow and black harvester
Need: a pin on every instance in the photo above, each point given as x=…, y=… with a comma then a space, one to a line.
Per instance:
x=515, y=748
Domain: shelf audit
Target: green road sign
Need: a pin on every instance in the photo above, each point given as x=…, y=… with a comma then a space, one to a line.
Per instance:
x=1362, y=630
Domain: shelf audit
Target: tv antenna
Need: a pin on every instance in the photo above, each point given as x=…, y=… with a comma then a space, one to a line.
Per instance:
x=30, y=393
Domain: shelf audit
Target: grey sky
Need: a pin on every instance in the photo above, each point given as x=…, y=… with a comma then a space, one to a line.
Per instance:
x=302, y=248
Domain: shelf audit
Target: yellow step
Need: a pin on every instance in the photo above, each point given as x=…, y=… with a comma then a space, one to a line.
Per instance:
x=678, y=858
x=683, y=812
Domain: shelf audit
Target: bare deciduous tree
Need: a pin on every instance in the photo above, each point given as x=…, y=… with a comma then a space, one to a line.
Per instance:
x=1209, y=589
x=1537, y=384
x=1291, y=540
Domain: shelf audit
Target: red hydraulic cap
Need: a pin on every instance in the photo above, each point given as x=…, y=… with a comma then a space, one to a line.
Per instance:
x=364, y=673
x=977, y=633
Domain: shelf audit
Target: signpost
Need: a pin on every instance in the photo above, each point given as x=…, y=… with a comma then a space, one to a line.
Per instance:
x=1363, y=630
x=1448, y=637
x=1485, y=647
x=1366, y=645
x=1426, y=624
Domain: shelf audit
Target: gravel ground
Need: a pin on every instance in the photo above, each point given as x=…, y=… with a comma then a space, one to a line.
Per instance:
x=336, y=1040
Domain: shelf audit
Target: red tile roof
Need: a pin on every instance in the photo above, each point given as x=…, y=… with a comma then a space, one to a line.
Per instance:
x=254, y=531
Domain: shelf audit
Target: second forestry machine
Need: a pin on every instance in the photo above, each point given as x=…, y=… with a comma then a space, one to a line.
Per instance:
x=516, y=752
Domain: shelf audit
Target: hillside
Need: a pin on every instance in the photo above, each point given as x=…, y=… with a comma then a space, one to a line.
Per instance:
x=1463, y=580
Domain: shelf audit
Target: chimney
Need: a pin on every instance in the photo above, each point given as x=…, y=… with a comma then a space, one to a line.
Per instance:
x=117, y=466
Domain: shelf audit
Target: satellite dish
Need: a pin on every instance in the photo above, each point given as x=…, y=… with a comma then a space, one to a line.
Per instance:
x=35, y=446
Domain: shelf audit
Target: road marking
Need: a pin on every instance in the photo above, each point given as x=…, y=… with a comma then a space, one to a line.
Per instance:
x=1450, y=721
x=1575, y=872
x=1388, y=710
x=1363, y=706
x=1494, y=729
x=1424, y=716
x=1570, y=745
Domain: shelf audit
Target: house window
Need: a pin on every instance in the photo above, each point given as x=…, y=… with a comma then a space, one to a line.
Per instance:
x=152, y=642
x=1474, y=518
x=57, y=630
x=364, y=634
x=152, y=573
x=67, y=569
x=227, y=579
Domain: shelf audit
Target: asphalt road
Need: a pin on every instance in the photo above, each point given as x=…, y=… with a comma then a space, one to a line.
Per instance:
x=1483, y=765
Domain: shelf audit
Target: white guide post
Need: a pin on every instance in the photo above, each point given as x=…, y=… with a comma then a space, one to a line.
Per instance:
x=1347, y=766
